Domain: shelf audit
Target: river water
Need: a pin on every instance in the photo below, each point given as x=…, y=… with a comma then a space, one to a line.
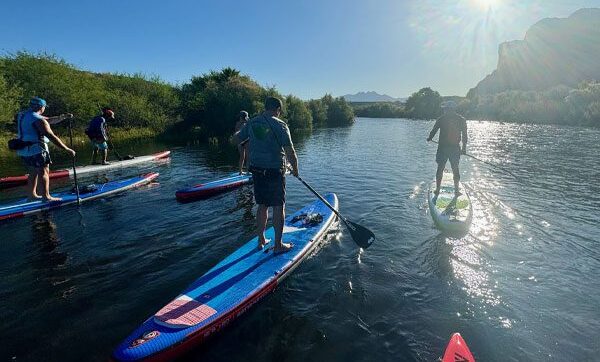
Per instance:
x=523, y=285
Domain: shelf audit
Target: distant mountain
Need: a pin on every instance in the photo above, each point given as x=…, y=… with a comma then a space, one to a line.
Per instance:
x=555, y=51
x=371, y=97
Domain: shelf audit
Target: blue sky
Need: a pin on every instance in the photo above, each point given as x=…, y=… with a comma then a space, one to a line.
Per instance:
x=307, y=47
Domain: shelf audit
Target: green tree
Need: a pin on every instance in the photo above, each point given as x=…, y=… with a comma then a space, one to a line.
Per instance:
x=297, y=114
x=318, y=110
x=339, y=113
x=9, y=104
x=424, y=104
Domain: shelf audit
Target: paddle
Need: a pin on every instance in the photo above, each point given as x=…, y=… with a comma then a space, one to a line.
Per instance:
x=73, y=162
x=362, y=236
x=487, y=163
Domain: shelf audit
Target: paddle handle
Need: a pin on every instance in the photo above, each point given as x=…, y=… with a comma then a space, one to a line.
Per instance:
x=73, y=163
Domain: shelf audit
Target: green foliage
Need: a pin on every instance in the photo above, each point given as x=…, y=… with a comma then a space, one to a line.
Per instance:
x=556, y=105
x=9, y=103
x=339, y=112
x=318, y=111
x=213, y=101
x=380, y=110
x=424, y=104
x=137, y=101
x=297, y=115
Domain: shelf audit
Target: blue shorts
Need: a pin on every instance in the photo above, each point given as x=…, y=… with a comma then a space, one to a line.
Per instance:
x=100, y=145
x=40, y=160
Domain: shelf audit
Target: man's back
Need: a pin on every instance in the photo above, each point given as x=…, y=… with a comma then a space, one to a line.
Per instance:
x=268, y=135
x=452, y=126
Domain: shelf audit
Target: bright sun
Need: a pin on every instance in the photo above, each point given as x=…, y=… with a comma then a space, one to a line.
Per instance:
x=486, y=4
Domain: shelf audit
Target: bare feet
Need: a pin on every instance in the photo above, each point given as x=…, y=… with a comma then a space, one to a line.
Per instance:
x=262, y=243
x=282, y=248
x=51, y=198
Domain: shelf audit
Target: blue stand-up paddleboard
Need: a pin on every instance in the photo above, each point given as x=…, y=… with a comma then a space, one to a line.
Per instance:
x=22, y=208
x=202, y=191
x=228, y=289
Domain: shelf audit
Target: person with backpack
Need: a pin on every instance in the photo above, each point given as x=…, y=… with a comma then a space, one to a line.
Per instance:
x=34, y=133
x=98, y=135
x=270, y=144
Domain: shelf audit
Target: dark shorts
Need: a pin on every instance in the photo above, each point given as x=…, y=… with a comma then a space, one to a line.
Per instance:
x=40, y=160
x=445, y=153
x=269, y=186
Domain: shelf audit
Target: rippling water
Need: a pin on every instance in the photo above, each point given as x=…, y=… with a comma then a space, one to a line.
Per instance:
x=523, y=285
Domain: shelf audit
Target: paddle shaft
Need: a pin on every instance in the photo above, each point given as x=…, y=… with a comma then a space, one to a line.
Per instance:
x=486, y=162
x=73, y=162
x=322, y=199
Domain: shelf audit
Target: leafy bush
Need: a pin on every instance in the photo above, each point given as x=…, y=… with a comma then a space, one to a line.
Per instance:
x=339, y=113
x=297, y=114
x=424, y=104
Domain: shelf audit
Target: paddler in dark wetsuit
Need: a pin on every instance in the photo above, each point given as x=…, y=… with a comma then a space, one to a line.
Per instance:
x=453, y=130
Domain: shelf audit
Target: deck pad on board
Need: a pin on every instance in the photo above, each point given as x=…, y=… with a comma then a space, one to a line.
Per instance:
x=450, y=212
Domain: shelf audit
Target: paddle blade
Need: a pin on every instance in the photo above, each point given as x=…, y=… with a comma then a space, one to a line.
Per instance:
x=362, y=236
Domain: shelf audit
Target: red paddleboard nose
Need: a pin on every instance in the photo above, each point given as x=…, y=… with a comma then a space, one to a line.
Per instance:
x=457, y=350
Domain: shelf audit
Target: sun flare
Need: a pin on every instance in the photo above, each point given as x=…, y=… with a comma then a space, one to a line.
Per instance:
x=486, y=4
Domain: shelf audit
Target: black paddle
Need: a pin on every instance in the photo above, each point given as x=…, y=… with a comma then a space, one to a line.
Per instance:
x=362, y=236
x=488, y=163
x=73, y=161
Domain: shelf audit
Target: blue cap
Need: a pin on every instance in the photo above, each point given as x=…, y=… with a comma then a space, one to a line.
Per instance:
x=37, y=101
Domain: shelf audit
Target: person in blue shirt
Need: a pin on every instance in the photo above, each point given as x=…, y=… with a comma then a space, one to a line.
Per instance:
x=35, y=129
x=269, y=144
x=98, y=134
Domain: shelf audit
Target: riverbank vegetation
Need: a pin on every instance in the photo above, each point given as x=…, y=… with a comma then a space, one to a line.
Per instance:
x=204, y=108
x=559, y=105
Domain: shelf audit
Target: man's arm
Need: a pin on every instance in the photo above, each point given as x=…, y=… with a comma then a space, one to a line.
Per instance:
x=290, y=153
x=43, y=128
x=241, y=135
x=58, y=119
x=436, y=126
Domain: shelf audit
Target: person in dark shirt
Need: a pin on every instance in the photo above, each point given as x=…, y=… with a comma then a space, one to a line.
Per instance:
x=97, y=132
x=453, y=130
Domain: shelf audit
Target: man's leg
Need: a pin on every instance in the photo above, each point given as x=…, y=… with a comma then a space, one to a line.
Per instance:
x=438, y=177
x=262, y=214
x=278, y=220
x=456, y=175
x=242, y=154
x=45, y=183
x=94, y=154
x=104, y=156
x=32, y=183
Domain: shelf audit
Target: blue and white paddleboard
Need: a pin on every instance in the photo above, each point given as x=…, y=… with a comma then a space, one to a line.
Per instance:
x=228, y=289
x=22, y=208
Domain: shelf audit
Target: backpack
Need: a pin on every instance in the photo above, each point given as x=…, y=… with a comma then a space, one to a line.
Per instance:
x=94, y=132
